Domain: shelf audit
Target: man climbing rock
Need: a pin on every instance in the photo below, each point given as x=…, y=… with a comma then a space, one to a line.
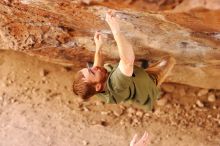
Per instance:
x=123, y=82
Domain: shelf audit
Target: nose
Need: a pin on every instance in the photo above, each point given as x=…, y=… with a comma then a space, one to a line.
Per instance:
x=95, y=68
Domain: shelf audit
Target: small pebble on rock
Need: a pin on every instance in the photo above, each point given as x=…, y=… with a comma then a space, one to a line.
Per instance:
x=85, y=142
x=122, y=122
x=85, y=109
x=199, y=103
x=122, y=107
x=106, y=113
x=44, y=72
x=202, y=92
x=118, y=112
x=131, y=110
x=162, y=101
x=214, y=107
x=147, y=115
x=140, y=114
x=130, y=115
x=44, y=81
x=86, y=1
x=218, y=116
x=13, y=100
x=211, y=98
x=135, y=122
x=157, y=112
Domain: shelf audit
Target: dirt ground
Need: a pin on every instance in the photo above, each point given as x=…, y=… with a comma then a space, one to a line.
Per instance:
x=38, y=108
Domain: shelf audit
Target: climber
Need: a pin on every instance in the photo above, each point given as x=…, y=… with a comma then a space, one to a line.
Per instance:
x=123, y=82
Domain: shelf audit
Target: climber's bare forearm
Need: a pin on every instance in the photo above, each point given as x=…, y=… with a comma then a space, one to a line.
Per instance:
x=125, y=49
x=98, y=58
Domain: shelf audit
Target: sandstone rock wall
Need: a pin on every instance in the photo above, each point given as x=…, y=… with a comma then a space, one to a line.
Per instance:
x=187, y=5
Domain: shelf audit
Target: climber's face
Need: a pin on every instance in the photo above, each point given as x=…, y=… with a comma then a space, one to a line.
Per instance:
x=95, y=74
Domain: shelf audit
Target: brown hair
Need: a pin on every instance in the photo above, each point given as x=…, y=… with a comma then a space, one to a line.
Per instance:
x=81, y=88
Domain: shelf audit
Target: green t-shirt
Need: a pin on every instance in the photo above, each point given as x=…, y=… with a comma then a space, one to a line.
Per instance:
x=139, y=89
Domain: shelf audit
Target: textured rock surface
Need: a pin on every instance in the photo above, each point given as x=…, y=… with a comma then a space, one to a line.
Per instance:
x=62, y=32
x=39, y=110
x=187, y=5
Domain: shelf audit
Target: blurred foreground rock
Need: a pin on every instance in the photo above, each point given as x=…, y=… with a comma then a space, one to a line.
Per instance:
x=62, y=32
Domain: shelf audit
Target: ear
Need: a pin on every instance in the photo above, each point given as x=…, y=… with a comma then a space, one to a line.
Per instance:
x=98, y=87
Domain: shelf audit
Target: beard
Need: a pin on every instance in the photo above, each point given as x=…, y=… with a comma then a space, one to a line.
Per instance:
x=104, y=72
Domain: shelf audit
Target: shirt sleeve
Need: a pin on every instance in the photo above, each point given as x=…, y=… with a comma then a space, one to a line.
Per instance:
x=101, y=97
x=119, y=81
x=109, y=67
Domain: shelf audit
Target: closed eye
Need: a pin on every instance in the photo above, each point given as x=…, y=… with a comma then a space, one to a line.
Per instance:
x=90, y=71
